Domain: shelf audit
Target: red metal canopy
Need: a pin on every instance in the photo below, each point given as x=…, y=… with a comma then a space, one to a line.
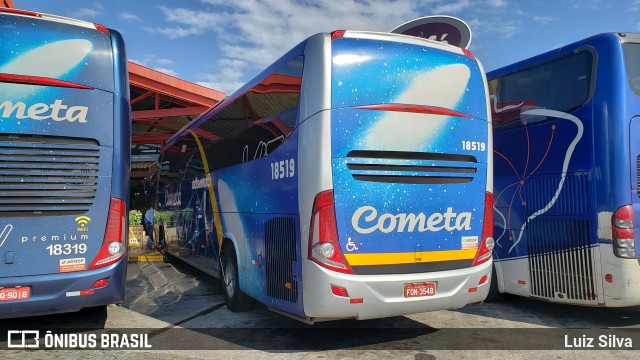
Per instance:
x=162, y=104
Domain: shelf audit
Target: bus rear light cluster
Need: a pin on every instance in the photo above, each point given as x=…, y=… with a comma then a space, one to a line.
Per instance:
x=623, y=233
x=324, y=247
x=112, y=249
x=487, y=243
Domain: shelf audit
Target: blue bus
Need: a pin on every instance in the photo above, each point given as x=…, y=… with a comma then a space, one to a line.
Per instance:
x=350, y=179
x=65, y=134
x=567, y=173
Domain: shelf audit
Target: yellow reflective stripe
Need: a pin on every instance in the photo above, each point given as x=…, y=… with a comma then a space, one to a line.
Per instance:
x=212, y=193
x=409, y=257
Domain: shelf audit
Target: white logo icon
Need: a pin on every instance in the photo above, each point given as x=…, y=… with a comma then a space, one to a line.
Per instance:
x=5, y=233
x=23, y=337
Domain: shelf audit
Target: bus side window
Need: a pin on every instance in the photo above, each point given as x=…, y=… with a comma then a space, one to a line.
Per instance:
x=247, y=145
x=562, y=84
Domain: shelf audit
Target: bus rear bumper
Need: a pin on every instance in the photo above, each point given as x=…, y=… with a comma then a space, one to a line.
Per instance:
x=621, y=279
x=378, y=296
x=65, y=292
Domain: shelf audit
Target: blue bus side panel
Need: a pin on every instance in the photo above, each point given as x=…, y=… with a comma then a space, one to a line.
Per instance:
x=261, y=200
x=530, y=186
x=257, y=204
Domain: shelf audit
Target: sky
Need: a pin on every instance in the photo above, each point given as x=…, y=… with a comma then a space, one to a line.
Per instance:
x=224, y=44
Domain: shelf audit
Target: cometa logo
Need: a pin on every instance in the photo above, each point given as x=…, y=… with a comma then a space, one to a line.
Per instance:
x=365, y=220
x=83, y=221
x=41, y=111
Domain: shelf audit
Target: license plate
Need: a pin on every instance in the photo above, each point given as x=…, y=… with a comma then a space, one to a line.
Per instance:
x=15, y=293
x=417, y=290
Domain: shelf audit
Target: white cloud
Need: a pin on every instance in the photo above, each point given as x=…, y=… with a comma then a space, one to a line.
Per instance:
x=88, y=12
x=166, y=71
x=635, y=5
x=543, y=20
x=226, y=87
x=497, y=3
x=503, y=28
x=246, y=36
x=452, y=8
x=156, y=63
x=190, y=22
x=130, y=17
x=251, y=34
x=592, y=4
x=163, y=62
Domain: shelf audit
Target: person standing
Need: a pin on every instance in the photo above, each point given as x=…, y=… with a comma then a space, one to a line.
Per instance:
x=148, y=227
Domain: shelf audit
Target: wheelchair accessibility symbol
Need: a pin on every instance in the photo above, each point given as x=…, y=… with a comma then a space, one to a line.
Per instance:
x=351, y=246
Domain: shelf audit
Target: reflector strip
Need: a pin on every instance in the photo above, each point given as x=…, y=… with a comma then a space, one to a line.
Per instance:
x=39, y=80
x=421, y=109
x=79, y=293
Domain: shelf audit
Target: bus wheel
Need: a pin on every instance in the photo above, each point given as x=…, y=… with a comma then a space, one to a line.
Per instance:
x=236, y=300
x=494, y=294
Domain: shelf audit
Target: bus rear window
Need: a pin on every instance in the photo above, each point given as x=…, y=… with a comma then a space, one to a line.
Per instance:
x=56, y=50
x=632, y=64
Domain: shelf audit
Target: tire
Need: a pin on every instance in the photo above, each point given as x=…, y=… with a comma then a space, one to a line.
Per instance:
x=236, y=300
x=494, y=294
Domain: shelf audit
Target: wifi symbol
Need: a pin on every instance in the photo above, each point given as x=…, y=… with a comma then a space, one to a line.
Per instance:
x=83, y=220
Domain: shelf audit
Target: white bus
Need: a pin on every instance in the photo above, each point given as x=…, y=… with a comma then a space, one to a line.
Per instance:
x=350, y=179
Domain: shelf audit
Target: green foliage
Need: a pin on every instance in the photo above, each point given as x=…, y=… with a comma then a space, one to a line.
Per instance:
x=135, y=218
x=164, y=217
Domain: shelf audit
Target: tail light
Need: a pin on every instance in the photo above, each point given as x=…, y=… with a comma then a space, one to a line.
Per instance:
x=623, y=232
x=324, y=247
x=469, y=54
x=101, y=28
x=337, y=34
x=39, y=80
x=420, y=109
x=487, y=243
x=19, y=12
x=112, y=248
